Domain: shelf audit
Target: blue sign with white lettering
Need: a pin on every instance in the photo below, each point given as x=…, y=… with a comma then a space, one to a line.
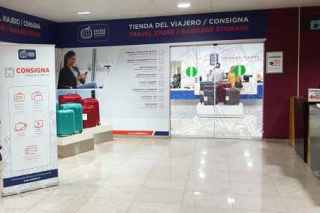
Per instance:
x=92, y=33
x=22, y=28
x=168, y=29
x=29, y=178
x=27, y=54
x=315, y=25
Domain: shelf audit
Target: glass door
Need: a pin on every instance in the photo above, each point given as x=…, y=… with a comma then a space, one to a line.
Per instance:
x=239, y=95
x=185, y=87
x=217, y=90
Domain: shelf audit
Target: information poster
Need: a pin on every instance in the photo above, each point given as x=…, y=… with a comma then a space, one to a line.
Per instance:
x=28, y=129
x=137, y=87
x=274, y=62
x=313, y=95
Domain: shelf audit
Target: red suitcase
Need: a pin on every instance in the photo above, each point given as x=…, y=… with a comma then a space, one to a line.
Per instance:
x=91, y=112
x=221, y=91
x=70, y=98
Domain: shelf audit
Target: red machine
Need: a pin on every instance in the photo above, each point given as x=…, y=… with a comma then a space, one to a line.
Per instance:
x=70, y=98
x=91, y=112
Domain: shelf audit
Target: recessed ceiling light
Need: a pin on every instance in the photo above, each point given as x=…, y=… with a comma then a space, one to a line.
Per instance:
x=184, y=5
x=231, y=200
x=84, y=13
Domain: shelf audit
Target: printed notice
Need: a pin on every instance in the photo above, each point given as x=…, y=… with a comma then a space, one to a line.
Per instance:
x=137, y=87
x=29, y=127
x=147, y=69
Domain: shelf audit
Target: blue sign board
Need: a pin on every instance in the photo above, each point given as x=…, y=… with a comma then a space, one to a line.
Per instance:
x=167, y=29
x=92, y=33
x=23, y=179
x=22, y=28
x=27, y=54
x=315, y=25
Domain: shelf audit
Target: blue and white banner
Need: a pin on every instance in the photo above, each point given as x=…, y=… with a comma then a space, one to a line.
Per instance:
x=27, y=117
x=22, y=28
x=169, y=29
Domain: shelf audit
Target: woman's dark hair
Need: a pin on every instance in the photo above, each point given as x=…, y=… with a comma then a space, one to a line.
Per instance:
x=67, y=56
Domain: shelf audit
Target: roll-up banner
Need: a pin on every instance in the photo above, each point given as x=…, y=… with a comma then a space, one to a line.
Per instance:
x=27, y=117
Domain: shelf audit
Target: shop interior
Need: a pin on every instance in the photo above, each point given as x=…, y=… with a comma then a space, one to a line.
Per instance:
x=217, y=90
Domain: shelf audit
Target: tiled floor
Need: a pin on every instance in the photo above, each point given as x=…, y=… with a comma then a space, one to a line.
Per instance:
x=178, y=176
x=186, y=122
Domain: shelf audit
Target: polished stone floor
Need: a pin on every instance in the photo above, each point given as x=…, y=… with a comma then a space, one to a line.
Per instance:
x=178, y=176
x=186, y=122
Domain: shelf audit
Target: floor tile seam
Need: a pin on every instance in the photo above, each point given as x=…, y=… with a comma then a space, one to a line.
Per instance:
x=34, y=204
x=185, y=190
x=135, y=197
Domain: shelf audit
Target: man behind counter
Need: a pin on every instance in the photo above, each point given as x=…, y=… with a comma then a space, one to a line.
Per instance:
x=70, y=76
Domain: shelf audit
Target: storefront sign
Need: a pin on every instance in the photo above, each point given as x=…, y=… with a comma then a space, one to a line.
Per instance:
x=170, y=29
x=93, y=33
x=27, y=117
x=313, y=95
x=22, y=28
x=274, y=62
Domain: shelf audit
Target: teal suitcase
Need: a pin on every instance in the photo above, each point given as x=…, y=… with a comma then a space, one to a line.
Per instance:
x=65, y=123
x=78, y=110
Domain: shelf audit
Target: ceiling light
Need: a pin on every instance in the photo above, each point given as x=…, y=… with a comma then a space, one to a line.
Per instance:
x=197, y=193
x=250, y=164
x=202, y=175
x=203, y=162
x=184, y=5
x=247, y=154
x=84, y=13
x=231, y=200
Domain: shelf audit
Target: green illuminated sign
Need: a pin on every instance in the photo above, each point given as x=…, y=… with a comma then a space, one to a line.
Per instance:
x=191, y=72
x=239, y=70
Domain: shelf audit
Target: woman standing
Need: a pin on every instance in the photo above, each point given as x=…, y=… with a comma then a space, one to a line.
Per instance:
x=70, y=76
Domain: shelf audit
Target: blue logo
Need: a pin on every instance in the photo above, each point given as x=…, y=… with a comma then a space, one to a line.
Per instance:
x=315, y=25
x=93, y=33
x=27, y=54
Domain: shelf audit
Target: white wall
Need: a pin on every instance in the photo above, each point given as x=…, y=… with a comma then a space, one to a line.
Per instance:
x=128, y=100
